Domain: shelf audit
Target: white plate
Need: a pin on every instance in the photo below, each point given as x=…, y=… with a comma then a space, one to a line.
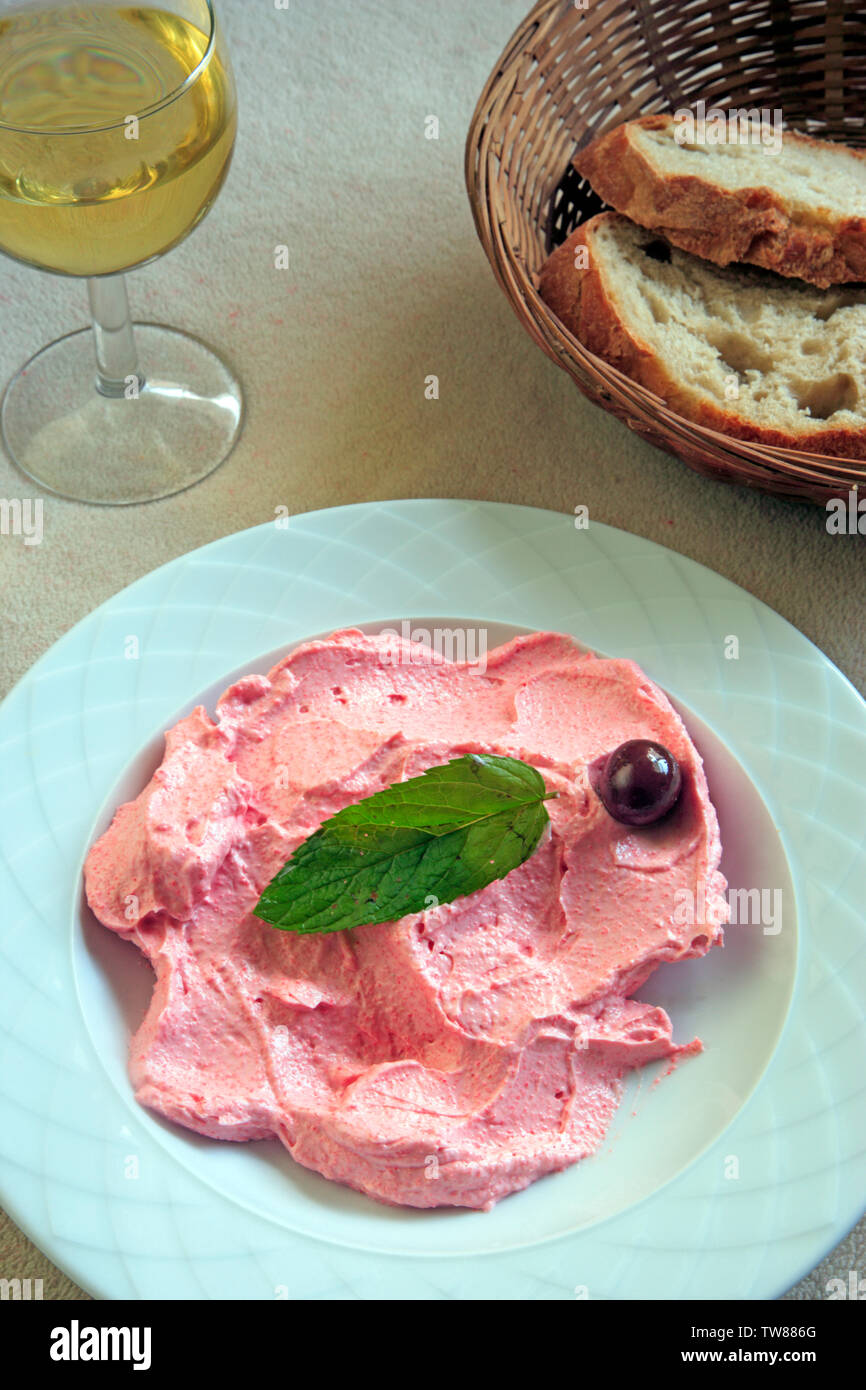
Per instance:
x=730, y=1178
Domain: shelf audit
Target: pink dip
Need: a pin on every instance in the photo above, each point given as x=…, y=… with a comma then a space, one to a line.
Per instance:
x=453, y=1056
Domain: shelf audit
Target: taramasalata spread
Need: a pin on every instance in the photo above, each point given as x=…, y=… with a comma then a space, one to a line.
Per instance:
x=455, y=1055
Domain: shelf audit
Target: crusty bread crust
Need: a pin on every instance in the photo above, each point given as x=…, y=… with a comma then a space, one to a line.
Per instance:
x=580, y=298
x=723, y=225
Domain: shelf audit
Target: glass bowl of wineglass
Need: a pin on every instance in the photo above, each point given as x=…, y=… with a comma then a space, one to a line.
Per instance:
x=117, y=126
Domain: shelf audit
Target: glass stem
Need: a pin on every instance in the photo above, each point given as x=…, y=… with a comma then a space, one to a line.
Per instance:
x=116, y=358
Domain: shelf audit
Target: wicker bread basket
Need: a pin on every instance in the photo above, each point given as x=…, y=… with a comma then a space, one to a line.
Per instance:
x=577, y=67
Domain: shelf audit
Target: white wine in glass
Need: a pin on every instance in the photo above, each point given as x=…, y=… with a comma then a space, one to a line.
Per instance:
x=117, y=125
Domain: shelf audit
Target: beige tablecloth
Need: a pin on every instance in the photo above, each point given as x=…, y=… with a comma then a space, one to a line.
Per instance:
x=387, y=284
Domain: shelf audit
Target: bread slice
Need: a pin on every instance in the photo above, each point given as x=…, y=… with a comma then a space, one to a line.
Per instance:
x=798, y=209
x=741, y=351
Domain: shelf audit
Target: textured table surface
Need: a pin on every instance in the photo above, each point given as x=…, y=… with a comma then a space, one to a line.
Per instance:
x=386, y=285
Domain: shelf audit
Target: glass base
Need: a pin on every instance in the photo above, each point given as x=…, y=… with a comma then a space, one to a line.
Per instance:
x=175, y=423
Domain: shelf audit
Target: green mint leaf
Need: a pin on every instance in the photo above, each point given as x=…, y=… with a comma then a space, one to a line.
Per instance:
x=444, y=834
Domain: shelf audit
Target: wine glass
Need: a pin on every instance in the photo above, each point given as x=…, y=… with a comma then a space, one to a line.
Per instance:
x=117, y=125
